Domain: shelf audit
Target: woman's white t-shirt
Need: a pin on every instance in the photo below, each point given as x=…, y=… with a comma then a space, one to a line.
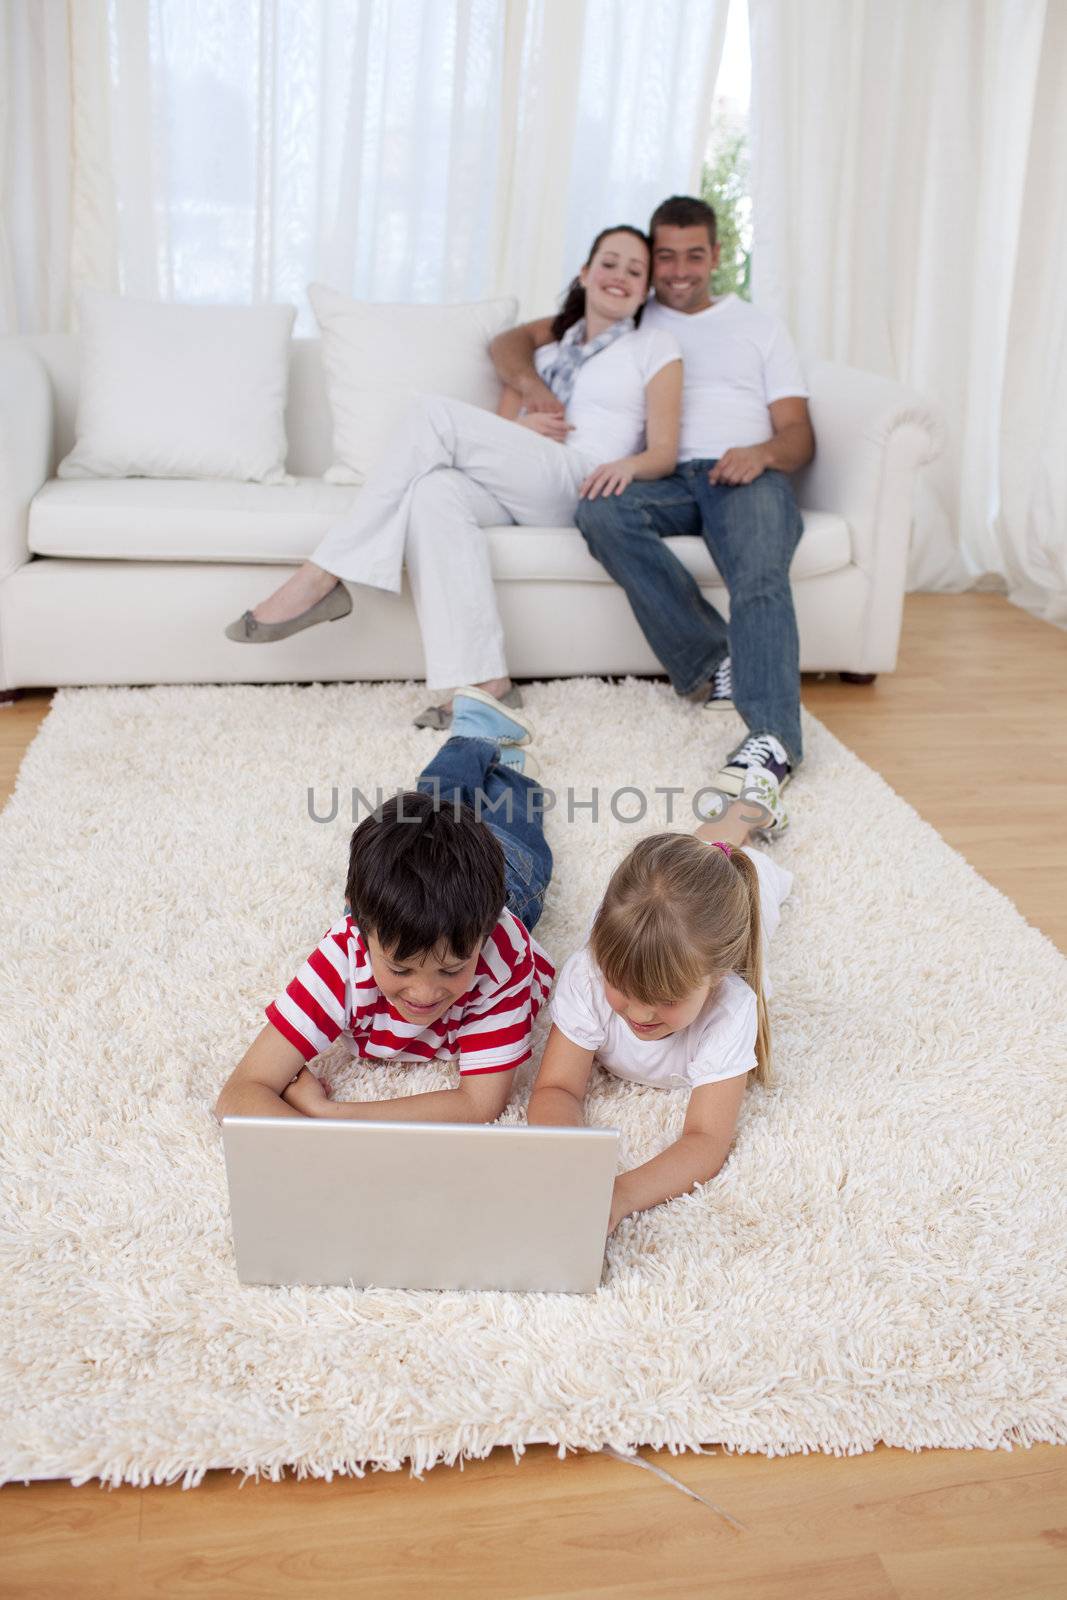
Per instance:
x=719, y=1043
x=607, y=404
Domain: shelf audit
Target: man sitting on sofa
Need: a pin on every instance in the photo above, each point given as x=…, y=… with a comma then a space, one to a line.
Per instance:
x=745, y=427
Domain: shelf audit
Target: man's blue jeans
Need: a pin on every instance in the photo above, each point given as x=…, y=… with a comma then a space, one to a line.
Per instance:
x=752, y=531
x=509, y=803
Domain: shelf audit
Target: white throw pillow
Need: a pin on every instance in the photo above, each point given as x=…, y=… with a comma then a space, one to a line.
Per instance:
x=377, y=357
x=174, y=391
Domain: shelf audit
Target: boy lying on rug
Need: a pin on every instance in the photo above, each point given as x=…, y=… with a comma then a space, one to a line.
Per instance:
x=434, y=958
x=669, y=991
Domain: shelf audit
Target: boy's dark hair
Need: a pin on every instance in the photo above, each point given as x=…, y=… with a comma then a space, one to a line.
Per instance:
x=423, y=875
x=683, y=211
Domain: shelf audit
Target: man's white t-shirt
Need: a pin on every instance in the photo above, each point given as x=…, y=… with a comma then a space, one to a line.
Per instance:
x=719, y=1043
x=737, y=360
x=607, y=404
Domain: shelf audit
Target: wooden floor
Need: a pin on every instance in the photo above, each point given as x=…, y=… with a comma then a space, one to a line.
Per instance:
x=972, y=730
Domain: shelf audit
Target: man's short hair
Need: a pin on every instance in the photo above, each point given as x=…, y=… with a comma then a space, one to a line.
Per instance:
x=683, y=211
x=425, y=875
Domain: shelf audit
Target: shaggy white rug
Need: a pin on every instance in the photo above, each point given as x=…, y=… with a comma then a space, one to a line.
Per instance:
x=882, y=1257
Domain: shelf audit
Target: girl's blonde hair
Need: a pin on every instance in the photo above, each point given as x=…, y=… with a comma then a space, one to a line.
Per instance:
x=677, y=912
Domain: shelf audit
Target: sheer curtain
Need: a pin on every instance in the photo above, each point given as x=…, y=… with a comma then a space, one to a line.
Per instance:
x=35, y=132
x=909, y=214
x=428, y=150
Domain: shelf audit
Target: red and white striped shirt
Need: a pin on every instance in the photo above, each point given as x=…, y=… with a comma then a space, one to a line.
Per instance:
x=487, y=1029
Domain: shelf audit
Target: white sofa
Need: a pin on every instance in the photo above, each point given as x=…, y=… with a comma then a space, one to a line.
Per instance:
x=131, y=581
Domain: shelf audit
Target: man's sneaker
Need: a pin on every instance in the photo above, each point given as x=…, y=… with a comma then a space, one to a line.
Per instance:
x=762, y=789
x=721, y=693
x=756, y=750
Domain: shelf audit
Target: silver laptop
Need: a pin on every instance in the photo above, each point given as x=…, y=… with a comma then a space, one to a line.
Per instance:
x=419, y=1205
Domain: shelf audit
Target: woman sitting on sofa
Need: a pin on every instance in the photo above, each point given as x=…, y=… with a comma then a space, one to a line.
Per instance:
x=453, y=470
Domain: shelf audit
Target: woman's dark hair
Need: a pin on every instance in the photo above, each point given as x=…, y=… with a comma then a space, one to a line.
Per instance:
x=684, y=211
x=425, y=875
x=572, y=306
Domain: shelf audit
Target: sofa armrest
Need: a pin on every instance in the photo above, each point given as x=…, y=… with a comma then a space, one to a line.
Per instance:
x=872, y=436
x=25, y=445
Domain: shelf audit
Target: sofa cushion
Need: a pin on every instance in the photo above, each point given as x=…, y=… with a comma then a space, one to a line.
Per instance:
x=560, y=554
x=183, y=519
x=379, y=357
x=180, y=391
x=140, y=519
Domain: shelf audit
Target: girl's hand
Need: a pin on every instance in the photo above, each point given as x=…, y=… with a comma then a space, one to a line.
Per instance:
x=306, y=1094
x=621, y=1205
x=611, y=478
x=549, y=424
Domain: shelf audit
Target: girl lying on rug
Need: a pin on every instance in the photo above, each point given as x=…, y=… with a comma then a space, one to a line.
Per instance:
x=669, y=991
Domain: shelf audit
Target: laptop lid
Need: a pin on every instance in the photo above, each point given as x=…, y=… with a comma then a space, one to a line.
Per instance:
x=412, y=1205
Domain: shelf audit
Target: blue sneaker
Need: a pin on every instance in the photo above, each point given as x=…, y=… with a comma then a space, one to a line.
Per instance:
x=523, y=761
x=440, y=717
x=478, y=715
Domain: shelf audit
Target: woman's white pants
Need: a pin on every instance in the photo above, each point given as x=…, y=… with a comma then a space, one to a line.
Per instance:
x=450, y=471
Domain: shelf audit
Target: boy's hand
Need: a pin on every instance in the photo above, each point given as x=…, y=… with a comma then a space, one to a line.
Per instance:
x=306, y=1094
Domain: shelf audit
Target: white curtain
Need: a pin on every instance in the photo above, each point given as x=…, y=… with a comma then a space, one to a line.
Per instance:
x=910, y=217
x=642, y=110
x=35, y=131
x=429, y=150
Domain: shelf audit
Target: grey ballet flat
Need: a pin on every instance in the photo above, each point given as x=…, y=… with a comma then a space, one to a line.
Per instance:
x=440, y=717
x=331, y=608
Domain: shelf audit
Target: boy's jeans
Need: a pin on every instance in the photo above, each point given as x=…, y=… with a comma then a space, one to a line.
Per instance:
x=752, y=531
x=508, y=803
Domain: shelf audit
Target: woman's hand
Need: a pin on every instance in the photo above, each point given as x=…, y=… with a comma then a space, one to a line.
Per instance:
x=306, y=1094
x=549, y=424
x=611, y=478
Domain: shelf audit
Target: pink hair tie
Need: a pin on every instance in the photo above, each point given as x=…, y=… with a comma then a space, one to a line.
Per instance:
x=727, y=849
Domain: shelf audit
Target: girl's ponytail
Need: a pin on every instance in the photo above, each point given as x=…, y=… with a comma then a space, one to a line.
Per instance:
x=752, y=964
x=572, y=308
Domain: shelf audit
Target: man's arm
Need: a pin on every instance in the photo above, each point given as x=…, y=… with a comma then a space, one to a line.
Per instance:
x=513, y=354
x=790, y=447
x=793, y=443
x=510, y=403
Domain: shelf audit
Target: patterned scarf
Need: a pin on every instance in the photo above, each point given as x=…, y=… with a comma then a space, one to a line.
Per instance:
x=562, y=375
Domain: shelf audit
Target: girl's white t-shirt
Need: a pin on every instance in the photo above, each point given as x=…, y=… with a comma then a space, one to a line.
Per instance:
x=607, y=405
x=719, y=1043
